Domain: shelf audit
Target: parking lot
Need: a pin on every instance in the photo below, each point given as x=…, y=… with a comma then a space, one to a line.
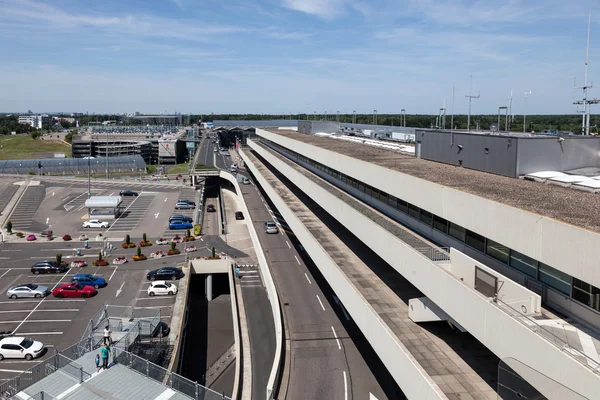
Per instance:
x=59, y=323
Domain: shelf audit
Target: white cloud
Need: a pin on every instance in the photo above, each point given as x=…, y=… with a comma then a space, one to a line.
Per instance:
x=326, y=9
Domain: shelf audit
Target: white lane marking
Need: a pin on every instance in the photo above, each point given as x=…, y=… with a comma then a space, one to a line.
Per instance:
x=309, y=282
x=14, y=370
x=288, y=243
x=166, y=199
x=157, y=297
x=111, y=193
x=42, y=334
x=156, y=215
x=12, y=250
x=336, y=338
x=24, y=311
x=4, y=258
x=40, y=303
x=34, y=321
x=7, y=271
x=47, y=219
x=126, y=209
x=298, y=261
x=372, y=396
x=111, y=275
x=154, y=307
x=345, y=387
x=320, y=302
x=119, y=290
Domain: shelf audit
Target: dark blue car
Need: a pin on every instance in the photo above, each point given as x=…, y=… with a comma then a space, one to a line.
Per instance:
x=179, y=224
x=89, y=280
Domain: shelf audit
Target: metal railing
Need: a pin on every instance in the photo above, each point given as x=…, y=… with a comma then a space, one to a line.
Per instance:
x=164, y=376
x=435, y=254
x=556, y=334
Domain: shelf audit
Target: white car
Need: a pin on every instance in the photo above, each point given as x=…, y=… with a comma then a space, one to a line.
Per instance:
x=95, y=223
x=271, y=227
x=20, y=347
x=246, y=181
x=162, y=288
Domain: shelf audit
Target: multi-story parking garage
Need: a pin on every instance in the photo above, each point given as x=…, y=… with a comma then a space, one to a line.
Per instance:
x=511, y=264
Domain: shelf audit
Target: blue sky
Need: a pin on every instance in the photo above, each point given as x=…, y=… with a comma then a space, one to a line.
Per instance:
x=293, y=56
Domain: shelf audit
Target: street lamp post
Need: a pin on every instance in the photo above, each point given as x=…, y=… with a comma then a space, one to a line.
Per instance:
x=525, y=110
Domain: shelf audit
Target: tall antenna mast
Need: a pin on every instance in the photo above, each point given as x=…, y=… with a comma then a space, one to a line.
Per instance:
x=585, y=120
x=512, y=117
x=470, y=97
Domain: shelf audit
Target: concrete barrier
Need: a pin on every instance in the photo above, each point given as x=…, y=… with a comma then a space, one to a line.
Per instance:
x=178, y=321
x=236, y=334
x=271, y=292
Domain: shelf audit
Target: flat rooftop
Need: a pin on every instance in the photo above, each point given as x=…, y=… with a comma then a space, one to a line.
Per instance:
x=567, y=205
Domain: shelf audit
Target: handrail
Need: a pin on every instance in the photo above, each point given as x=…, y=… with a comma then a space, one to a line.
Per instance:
x=547, y=332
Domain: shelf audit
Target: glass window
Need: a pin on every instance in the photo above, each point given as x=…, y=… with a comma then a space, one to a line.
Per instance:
x=361, y=187
x=456, y=231
x=413, y=211
x=523, y=263
x=383, y=196
x=555, y=279
x=440, y=224
x=426, y=217
x=403, y=206
x=368, y=190
x=392, y=201
x=582, y=285
x=375, y=193
x=475, y=241
x=582, y=296
x=498, y=251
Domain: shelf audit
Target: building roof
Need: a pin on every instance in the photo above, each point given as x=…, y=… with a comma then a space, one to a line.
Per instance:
x=103, y=201
x=564, y=204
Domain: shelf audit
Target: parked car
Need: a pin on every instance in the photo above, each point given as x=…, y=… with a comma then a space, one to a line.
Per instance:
x=184, y=206
x=165, y=273
x=233, y=168
x=162, y=288
x=96, y=223
x=47, y=267
x=27, y=290
x=180, y=217
x=161, y=330
x=90, y=280
x=186, y=201
x=74, y=289
x=210, y=208
x=239, y=215
x=271, y=227
x=246, y=181
x=179, y=224
x=128, y=193
x=20, y=347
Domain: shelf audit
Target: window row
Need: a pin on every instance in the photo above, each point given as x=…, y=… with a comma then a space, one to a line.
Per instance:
x=578, y=290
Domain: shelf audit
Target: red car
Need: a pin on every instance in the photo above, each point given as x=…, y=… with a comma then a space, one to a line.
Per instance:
x=74, y=289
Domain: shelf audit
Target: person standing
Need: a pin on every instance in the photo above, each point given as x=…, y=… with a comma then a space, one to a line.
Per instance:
x=105, y=352
x=107, y=332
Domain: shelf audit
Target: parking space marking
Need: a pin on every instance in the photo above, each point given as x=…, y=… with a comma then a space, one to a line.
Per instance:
x=37, y=301
x=43, y=334
x=18, y=371
x=34, y=321
x=24, y=311
x=155, y=298
x=111, y=275
x=2, y=276
x=154, y=307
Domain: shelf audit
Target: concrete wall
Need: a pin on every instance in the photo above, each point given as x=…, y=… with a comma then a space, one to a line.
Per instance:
x=568, y=248
x=512, y=293
x=406, y=371
x=493, y=154
x=501, y=333
x=550, y=154
x=270, y=288
x=311, y=127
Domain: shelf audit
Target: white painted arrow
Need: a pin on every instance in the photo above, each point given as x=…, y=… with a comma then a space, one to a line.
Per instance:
x=156, y=215
x=337, y=301
x=120, y=289
x=371, y=397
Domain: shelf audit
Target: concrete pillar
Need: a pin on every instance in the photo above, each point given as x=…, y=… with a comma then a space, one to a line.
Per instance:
x=209, y=287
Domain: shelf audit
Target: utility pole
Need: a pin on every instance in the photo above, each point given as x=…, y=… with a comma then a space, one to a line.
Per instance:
x=512, y=117
x=354, y=117
x=374, y=117
x=470, y=97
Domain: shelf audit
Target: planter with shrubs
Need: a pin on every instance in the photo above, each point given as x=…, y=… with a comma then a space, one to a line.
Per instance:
x=173, y=250
x=78, y=264
x=177, y=239
x=139, y=256
x=66, y=238
x=31, y=238
x=157, y=254
x=100, y=262
x=162, y=241
x=20, y=235
x=128, y=244
x=119, y=260
x=145, y=242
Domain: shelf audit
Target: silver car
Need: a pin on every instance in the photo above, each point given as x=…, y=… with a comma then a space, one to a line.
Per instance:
x=271, y=227
x=28, y=290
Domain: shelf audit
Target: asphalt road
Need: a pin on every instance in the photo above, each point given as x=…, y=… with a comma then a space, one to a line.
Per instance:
x=206, y=155
x=330, y=358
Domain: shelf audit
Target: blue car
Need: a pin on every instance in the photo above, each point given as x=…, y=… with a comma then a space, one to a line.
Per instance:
x=179, y=224
x=90, y=280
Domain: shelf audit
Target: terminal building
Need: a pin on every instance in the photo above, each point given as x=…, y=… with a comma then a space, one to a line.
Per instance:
x=507, y=266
